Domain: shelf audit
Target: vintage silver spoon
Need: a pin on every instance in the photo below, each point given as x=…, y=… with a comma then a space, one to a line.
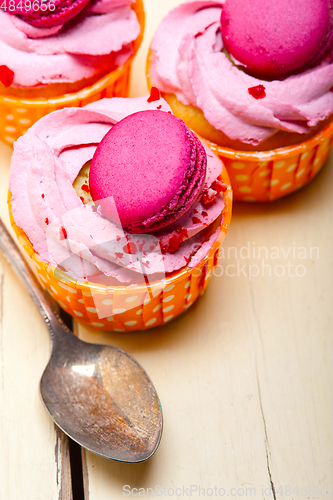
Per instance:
x=97, y=394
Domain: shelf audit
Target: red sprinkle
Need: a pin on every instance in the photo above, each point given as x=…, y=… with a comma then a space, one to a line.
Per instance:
x=219, y=186
x=6, y=76
x=63, y=234
x=175, y=241
x=119, y=255
x=204, y=213
x=154, y=95
x=195, y=211
x=82, y=199
x=85, y=188
x=195, y=220
x=46, y=221
x=258, y=92
x=129, y=247
x=43, y=195
x=207, y=199
x=159, y=107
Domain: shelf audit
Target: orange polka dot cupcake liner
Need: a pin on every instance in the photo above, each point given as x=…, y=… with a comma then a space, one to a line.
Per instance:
x=135, y=307
x=268, y=175
x=18, y=114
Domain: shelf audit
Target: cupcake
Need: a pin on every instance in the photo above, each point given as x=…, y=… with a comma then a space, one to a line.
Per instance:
x=56, y=54
x=122, y=210
x=255, y=80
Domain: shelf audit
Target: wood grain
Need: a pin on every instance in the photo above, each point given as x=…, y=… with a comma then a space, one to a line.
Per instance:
x=245, y=377
x=34, y=458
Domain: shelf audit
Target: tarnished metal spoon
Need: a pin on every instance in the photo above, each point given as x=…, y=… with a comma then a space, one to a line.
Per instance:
x=97, y=394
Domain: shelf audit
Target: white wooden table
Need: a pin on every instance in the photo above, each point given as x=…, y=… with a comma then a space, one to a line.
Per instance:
x=245, y=377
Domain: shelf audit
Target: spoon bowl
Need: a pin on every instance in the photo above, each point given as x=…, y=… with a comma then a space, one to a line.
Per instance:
x=97, y=394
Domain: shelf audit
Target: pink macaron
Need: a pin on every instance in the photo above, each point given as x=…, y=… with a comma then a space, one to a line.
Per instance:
x=50, y=13
x=276, y=38
x=148, y=171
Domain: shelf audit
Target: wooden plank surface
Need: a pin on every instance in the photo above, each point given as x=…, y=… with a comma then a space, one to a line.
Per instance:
x=34, y=455
x=245, y=377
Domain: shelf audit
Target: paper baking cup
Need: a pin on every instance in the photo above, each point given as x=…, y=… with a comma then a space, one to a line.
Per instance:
x=18, y=114
x=136, y=307
x=269, y=175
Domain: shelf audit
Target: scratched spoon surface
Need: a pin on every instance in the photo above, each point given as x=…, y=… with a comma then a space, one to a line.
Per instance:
x=97, y=394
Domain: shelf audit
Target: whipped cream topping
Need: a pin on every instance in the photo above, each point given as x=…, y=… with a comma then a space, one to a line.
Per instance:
x=75, y=236
x=97, y=40
x=187, y=60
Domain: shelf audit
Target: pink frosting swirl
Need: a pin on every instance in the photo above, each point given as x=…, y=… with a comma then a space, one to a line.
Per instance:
x=187, y=60
x=75, y=236
x=97, y=40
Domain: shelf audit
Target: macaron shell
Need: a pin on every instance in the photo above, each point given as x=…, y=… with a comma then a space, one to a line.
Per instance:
x=57, y=12
x=276, y=38
x=147, y=164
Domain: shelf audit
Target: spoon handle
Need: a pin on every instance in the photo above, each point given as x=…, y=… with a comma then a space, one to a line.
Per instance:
x=23, y=271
